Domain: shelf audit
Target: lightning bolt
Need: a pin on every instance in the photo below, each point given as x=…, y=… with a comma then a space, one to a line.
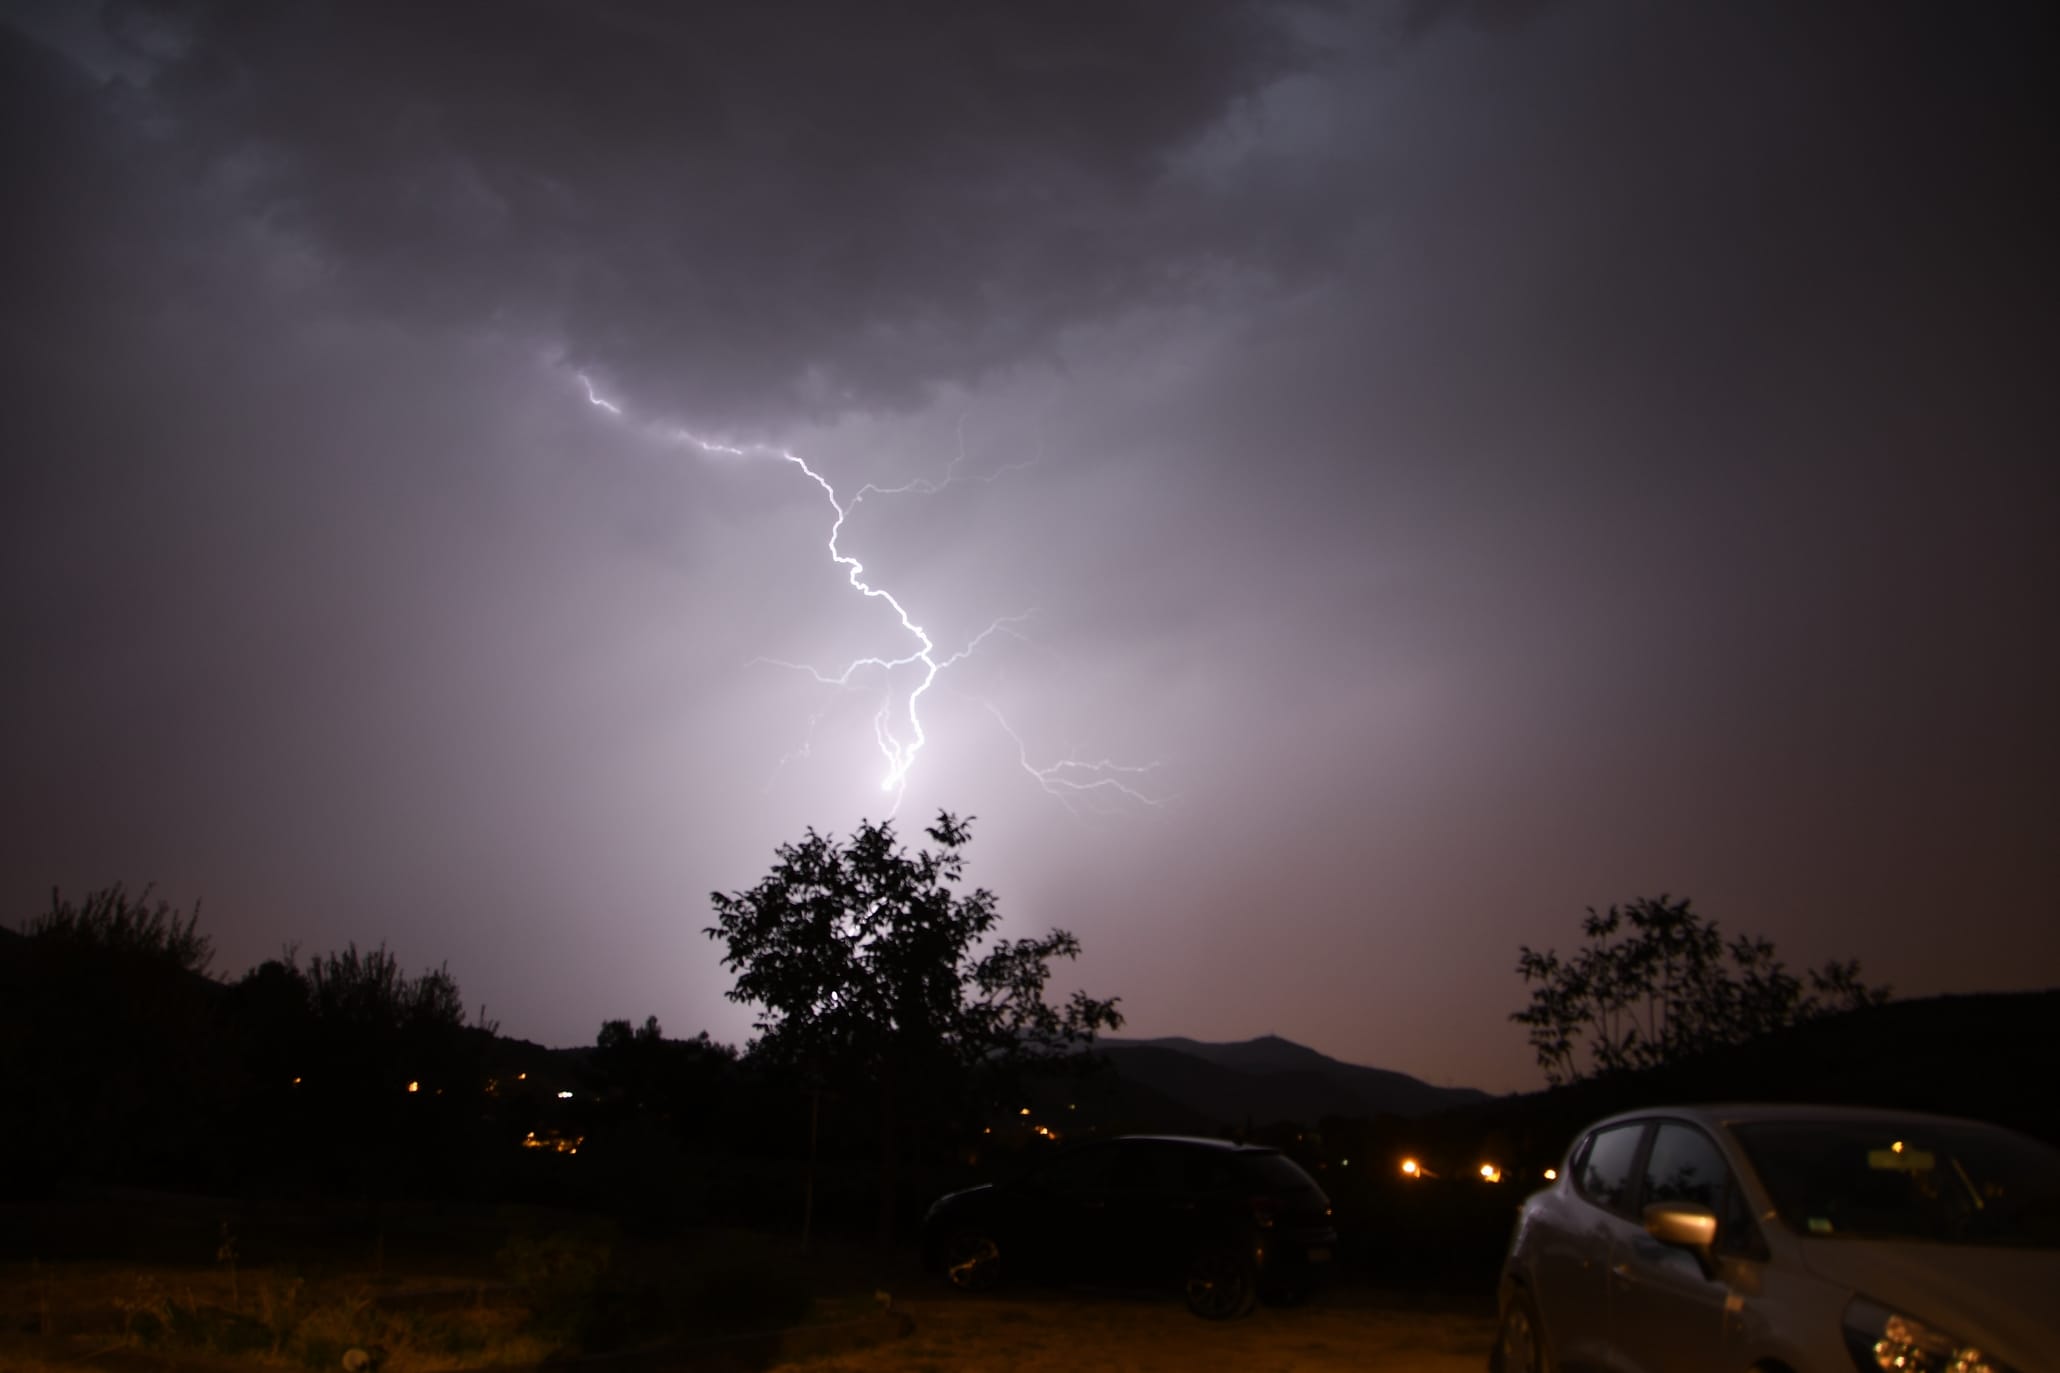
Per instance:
x=1101, y=785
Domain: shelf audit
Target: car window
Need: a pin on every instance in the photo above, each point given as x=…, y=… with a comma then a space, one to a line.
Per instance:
x=1082, y=1170
x=1149, y=1168
x=1272, y=1172
x=1686, y=1165
x=1206, y=1172
x=1942, y=1181
x=1605, y=1173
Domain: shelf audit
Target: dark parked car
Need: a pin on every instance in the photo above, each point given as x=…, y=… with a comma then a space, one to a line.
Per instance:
x=1229, y=1223
x=1804, y=1239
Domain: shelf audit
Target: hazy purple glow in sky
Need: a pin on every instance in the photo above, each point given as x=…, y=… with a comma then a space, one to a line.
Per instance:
x=1487, y=460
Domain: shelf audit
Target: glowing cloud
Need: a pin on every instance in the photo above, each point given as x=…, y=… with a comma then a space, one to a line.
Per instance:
x=1101, y=785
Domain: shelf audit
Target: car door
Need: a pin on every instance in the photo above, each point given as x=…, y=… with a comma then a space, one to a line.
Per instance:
x=1572, y=1251
x=1668, y=1314
x=1064, y=1213
x=1153, y=1209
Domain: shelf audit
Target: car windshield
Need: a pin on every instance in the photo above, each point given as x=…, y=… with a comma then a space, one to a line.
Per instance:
x=1276, y=1172
x=1908, y=1180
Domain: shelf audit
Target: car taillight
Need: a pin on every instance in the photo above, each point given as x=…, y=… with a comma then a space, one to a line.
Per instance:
x=1265, y=1210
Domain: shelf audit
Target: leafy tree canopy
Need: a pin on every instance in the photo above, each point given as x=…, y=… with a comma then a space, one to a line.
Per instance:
x=1656, y=983
x=864, y=958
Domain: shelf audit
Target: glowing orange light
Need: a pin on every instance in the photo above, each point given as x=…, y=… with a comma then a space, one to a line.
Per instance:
x=1024, y=1112
x=1551, y=1175
x=1411, y=1168
x=414, y=1086
x=1490, y=1173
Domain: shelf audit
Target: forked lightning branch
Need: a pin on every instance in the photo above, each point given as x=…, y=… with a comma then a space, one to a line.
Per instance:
x=1100, y=785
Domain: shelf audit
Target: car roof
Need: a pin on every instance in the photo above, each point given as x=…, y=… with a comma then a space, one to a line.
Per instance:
x=1228, y=1146
x=1761, y=1113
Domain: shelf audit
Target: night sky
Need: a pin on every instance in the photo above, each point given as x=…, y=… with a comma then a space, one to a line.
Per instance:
x=1430, y=467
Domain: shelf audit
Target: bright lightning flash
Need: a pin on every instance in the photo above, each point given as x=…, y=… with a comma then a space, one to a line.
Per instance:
x=1100, y=785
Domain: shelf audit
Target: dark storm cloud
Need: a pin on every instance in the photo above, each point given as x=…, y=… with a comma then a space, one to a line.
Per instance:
x=1501, y=458
x=740, y=213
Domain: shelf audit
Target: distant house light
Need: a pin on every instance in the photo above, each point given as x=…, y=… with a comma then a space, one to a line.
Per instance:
x=1490, y=1173
x=1552, y=1175
x=564, y=1096
x=1411, y=1168
x=414, y=1086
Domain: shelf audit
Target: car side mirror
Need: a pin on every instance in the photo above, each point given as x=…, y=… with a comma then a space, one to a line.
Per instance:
x=1684, y=1225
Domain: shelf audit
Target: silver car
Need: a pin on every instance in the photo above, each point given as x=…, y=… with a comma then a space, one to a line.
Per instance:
x=1788, y=1239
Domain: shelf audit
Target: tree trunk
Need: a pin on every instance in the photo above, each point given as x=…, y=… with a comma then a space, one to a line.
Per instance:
x=889, y=1154
x=815, y=1106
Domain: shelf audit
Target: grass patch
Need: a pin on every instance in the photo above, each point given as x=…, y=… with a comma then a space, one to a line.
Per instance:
x=541, y=1285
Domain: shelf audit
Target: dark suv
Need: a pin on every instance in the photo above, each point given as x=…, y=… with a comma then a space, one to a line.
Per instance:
x=1228, y=1222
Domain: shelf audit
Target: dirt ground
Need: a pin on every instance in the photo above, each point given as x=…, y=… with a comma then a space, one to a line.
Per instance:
x=1062, y=1332
x=72, y=1317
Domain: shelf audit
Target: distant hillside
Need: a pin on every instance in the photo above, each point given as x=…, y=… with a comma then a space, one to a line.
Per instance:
x=1270, y=1079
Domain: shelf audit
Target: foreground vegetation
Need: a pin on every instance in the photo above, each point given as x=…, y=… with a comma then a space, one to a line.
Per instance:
x=326, y=1160
x=421, y=1288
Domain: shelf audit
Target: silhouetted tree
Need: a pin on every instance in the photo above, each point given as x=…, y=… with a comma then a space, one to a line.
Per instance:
x=869, y=969
x=332, y=1047
x=669, y=1078
x=107, y=921
x=109, y=1029
x=1658, y=983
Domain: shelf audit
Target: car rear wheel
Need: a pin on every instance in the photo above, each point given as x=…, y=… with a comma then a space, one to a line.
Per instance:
x=1518, y=1348
x=972, y=1259
x=1221, y=1285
